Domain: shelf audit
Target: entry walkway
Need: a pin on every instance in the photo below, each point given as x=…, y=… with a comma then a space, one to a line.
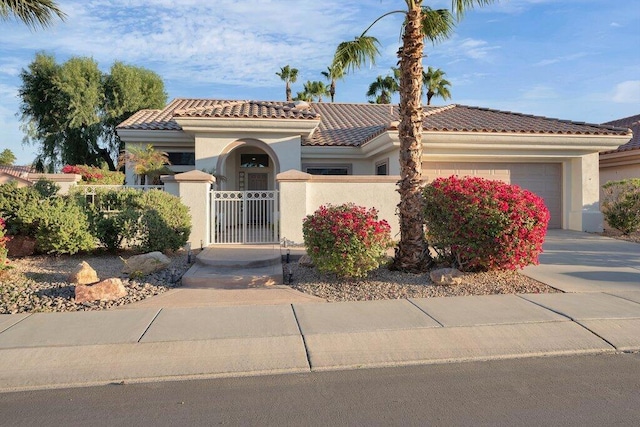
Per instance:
x=44, y=350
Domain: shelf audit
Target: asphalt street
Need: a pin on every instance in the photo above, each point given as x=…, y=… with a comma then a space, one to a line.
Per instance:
x=592, y=390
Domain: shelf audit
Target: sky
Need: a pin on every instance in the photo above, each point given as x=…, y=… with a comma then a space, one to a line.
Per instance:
x=573, y=59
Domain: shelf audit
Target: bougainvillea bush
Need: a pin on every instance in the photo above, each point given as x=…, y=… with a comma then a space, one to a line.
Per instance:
x=480, y=225
x=94, y=175
x=4, y=262
x=347, y=240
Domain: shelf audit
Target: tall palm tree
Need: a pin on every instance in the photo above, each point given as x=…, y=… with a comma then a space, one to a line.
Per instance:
x=420, y=23
x=34, y=13
x=435, y=84
x=382, y=89
x=313, y=90
x=334, y=72
x=288, y=75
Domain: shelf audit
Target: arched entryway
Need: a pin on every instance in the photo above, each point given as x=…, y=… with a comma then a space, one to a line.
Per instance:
x=245, y=207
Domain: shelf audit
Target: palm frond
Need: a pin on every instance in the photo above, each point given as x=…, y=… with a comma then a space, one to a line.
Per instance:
x=32, y=12
x=459, y=7
x=355, y=53
x=437, y=24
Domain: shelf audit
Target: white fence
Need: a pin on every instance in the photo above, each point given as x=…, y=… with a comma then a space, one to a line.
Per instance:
x=244, y=217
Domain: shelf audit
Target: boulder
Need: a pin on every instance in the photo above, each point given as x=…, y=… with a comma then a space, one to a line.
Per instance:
x=106, y=290
x=305, y=261
x=83, y=274
x=20, y=246
x=144, y=264
x=446, y=276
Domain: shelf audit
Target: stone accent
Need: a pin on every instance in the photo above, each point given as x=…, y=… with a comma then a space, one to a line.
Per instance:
x=144, y=264
x=20, y=246
x=106, y=290
x=83, y=274
x=446, y=276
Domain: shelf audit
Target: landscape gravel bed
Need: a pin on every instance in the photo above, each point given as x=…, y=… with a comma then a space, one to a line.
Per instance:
x=385, y=284
x=39, y=283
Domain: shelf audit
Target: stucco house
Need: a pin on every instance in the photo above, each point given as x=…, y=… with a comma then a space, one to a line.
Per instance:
x=624, y=161
x=253, y=144
x=17, y=174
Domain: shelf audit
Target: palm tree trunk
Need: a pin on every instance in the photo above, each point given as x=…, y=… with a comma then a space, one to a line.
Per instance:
x=288, y=92
x=412, y=254
x=332, y=89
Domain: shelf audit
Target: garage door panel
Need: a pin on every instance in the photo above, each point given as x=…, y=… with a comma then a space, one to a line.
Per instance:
x=543, y=179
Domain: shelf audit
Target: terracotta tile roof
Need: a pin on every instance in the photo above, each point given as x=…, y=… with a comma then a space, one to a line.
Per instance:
x=356, y=124
x=17, y=171
x=633, y=123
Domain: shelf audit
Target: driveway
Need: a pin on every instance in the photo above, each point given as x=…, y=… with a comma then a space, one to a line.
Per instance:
x=581, y=262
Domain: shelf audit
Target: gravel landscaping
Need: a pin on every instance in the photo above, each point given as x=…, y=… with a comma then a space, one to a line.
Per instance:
x=39, y=283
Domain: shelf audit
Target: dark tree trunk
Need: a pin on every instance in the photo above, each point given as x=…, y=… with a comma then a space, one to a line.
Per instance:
x=288, y=92
x=412, y=254
x=332, y=90
x=104, y=154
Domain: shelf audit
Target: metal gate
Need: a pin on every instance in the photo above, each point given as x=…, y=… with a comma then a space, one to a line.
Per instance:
x=244, y=217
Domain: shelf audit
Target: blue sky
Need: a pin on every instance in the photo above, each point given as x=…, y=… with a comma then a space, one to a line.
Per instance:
x=574, y=59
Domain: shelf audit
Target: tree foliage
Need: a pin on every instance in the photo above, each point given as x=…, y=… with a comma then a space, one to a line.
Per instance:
x=435, y=84
x=33, y=13
x=71, y=110
x=381, y=90
x=7, y=158
x=288, y=75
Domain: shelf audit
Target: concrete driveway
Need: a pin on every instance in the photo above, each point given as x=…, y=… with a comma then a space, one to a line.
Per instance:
x=581, y=262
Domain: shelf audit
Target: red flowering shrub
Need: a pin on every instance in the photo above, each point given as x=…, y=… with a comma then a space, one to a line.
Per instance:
x=94, y=175
x=347, y=240
x=4, y=262
x=481, y=225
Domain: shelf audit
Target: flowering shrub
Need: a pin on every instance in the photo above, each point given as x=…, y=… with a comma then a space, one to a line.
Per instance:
x=94, y=175
x=347, y=240
x=4, y=262
x=621, y=204
x=481, y=225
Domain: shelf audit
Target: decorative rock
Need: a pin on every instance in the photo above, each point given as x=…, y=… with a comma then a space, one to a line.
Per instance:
x=106, y=290
x=305, y=261
x=21, y=246
x=144, y=264
x=83, y=274
x=446, y=276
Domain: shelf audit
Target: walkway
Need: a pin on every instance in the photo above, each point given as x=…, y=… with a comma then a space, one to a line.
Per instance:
x=160, y=343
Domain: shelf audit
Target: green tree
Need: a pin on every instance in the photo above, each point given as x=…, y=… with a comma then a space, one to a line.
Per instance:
x=71, y=110
x=147, y=162
x=7, y=158
x=313, y=90
x=34, y=13
x=382, y=89
x=420, y=23
x=335, y=72
x=435, y=84
x=288, y=75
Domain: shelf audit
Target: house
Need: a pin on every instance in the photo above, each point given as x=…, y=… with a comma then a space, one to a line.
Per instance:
x=252, y=144
x=624, y=161
x=17, y=174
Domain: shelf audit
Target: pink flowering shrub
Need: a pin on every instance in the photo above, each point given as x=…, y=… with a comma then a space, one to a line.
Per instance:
x=482, y=225
x=4, y=262
x=347, y=240
x=94, y=175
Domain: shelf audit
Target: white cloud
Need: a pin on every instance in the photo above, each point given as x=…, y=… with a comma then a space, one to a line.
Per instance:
x=627, y=92
x=540, y=92
x=565, y=58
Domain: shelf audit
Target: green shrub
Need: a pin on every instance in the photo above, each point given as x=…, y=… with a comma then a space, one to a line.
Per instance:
x=20, y=207
x=63, y=227
x=4, y=262
x=621, y=205
x=165, y=222
x=479, y=225
x=46, y=188
x=347, y=240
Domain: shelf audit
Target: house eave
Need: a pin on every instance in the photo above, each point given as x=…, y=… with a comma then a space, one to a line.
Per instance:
x=620, y=158
x=154, y=136
x=300, y=127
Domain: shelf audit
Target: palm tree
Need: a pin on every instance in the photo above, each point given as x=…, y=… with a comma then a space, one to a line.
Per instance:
x=420, y=23
x=34, y=13
x=315, y=89
x=334, y=72
x=436, y=84
x=288, y=75
x=382, y=89
x=146, y=162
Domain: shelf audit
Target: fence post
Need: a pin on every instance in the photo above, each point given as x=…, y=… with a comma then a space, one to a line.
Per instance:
x=194, y=190
x=293, y=203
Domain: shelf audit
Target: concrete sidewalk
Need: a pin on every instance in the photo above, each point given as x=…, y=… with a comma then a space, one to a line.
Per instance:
x=170, y=341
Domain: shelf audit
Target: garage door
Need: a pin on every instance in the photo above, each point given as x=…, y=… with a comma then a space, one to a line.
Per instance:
x=544, y=179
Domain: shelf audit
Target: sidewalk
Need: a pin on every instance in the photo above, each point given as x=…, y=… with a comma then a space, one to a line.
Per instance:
x=160, y=343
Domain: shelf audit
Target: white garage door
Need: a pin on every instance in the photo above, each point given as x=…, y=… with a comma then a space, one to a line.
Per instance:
x=544, y=179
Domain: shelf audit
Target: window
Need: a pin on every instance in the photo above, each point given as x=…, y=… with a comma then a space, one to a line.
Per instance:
x=327, y=169
x=382, y=168
x=254, y=160
x=182, y=159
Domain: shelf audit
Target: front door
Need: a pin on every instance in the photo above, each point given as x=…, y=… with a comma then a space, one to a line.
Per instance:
x=258, y=182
